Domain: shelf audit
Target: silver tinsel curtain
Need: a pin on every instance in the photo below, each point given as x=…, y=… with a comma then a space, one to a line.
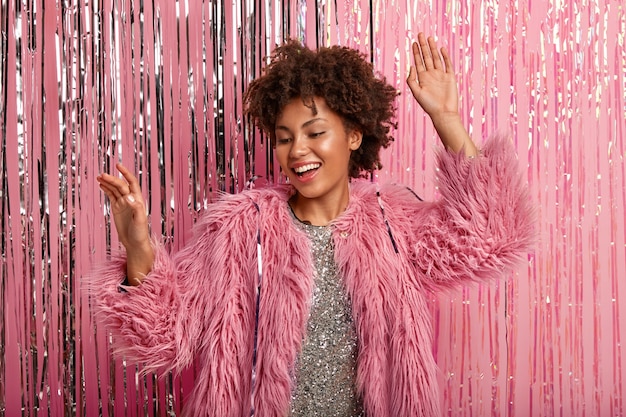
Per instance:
x=158, y=85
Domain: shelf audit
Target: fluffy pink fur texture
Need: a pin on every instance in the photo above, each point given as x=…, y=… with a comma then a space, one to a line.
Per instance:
x=200, y=302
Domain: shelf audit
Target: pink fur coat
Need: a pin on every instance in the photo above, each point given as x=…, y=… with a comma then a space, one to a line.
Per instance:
x=200, y=302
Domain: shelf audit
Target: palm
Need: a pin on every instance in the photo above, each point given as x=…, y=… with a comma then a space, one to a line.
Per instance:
x=432, y=80
x=131, y=225
x=127, y=207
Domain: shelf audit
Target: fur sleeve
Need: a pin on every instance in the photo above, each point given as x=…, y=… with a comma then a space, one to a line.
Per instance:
x=139, y=318
x=483, y=223
x=184, y=299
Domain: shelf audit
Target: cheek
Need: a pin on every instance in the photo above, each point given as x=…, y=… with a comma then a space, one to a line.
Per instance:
x=337, y=150
x=334, y=146
x=282, y=156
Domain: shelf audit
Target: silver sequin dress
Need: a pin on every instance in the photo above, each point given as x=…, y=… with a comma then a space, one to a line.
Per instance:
x=326, y=367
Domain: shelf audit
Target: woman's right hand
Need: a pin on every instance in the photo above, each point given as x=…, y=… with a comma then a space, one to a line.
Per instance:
x=131, y=221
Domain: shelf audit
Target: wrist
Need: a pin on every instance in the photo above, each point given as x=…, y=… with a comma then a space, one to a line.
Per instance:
x=453, y=134
x=139, y=260
x=445, y=119
x=138, y=247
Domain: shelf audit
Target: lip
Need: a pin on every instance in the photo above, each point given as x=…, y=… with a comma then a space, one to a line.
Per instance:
x=296, y=165
x=308, y=176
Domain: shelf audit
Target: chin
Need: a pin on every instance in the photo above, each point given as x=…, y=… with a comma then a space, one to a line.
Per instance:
x=307, y=193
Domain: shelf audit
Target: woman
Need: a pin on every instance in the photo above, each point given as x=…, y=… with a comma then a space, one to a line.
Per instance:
x=309, y=298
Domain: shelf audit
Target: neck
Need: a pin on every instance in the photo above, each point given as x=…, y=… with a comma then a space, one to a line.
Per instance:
x=320, y=211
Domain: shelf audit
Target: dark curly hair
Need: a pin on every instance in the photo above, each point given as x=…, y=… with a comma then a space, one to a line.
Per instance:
x=346, y=81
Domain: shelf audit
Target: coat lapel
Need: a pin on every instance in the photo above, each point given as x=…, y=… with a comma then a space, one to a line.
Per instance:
x=285, y=302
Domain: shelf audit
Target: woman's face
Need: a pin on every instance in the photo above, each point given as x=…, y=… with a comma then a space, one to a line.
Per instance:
x=314, y=149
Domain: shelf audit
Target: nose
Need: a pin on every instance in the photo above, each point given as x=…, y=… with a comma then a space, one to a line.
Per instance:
x=299, y=147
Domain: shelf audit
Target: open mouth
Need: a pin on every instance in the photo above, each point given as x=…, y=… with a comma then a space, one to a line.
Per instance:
x=306, y=169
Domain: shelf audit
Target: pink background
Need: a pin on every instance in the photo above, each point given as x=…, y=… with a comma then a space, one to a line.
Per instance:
x=159, y=86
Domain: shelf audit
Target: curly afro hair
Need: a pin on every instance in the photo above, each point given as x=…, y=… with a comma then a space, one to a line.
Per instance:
x=344, y=79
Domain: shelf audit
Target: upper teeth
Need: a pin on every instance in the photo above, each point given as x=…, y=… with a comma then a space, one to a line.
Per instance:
x=305, y=168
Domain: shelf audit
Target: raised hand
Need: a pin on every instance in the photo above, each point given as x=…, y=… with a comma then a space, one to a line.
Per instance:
x=131, y=221
x=433, y=84
x=431, y=78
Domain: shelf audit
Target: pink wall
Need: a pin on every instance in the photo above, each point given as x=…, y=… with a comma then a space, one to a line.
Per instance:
x=85, y=84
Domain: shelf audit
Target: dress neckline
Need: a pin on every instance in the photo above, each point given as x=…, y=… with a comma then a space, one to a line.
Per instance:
x=304, y=222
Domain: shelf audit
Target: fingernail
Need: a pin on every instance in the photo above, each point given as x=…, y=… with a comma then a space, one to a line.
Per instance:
x=131, y=198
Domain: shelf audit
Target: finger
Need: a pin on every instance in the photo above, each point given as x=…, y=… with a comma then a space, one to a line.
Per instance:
x=425, y=51
x=112, y=192
x=413, y=83
x=108, y=192
x=411, y=77
x=446, y=60
x=133, y=183
x=417, y=57
x=118, y=186
x=434, y=53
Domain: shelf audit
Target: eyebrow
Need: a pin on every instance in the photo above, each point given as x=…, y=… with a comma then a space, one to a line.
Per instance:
x=305, y=124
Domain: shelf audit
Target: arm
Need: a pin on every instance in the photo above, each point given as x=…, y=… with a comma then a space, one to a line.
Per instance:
x=433, y=84
x=481, y=226
x=188, y=299
x=161, y=323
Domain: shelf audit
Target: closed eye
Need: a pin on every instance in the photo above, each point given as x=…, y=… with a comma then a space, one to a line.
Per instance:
x=316, y=134
x=282, y=141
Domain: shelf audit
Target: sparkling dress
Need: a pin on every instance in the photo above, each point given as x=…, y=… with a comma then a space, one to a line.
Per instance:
x=326, y=367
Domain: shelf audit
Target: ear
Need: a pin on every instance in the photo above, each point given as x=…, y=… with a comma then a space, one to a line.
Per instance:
x=355, y=137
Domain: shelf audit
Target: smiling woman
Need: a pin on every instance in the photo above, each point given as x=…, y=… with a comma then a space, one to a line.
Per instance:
x=344, y=79
x=309, y=298
x=314, y=151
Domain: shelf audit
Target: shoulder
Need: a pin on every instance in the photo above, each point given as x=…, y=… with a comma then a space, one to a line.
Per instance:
x=371, y=201
x=246, y=200
x=390, y=194
x=243, y=208
x=399, y=194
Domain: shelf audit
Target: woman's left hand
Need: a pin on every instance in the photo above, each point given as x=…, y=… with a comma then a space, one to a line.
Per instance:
x=433, y=84
x=432, y=80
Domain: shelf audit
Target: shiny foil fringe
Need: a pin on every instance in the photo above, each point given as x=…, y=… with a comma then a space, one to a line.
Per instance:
x=158, y=85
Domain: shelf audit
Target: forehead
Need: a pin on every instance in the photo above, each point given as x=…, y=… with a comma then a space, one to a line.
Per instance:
x=298, y=111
